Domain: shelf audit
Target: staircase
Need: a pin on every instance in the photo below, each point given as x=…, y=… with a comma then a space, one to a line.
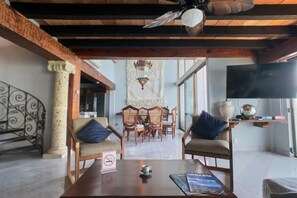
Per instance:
x=22, y=120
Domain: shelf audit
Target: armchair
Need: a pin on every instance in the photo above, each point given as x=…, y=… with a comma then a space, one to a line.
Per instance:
x=86, y=151
x=219, y=148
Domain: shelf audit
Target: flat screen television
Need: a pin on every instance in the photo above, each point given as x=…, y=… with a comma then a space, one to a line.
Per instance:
x=273, y=80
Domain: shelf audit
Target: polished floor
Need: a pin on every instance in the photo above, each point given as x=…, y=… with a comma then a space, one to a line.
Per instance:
x=28, y=175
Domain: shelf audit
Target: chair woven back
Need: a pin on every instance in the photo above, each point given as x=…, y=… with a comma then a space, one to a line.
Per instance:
x=224, y=135
x=79, y=123
x=130, y=114
x=155, y=115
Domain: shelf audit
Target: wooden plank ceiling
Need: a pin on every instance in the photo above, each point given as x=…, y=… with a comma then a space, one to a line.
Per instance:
x=113, y=28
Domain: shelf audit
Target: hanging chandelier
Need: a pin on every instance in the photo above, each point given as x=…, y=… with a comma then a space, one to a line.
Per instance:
x=142, y=66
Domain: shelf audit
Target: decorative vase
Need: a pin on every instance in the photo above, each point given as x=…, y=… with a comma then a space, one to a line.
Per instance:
x=248, y=111
x=226, y=109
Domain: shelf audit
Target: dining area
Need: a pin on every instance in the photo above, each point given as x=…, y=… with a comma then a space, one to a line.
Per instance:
x=146, y=123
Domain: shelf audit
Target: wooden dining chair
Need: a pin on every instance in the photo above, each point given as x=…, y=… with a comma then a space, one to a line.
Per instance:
x=155, y=115
x=165, y=114
x=143, y=118
x=131, y=123
x=170, y=125
x=143, y=115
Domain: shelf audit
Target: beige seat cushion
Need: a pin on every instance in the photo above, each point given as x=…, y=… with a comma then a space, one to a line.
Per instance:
x=208, y=146
x=224, y=135
x=87, y=149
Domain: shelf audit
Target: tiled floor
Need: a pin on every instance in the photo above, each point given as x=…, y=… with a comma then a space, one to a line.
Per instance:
x=28, y=175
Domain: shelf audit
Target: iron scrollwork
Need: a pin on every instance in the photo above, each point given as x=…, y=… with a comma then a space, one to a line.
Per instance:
x=21, y=110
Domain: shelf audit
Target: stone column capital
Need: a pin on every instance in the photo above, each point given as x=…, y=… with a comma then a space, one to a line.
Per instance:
x=61, y=66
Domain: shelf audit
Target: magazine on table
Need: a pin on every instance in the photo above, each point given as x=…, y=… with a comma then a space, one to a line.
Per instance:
x=204, y=183
x=181, y=181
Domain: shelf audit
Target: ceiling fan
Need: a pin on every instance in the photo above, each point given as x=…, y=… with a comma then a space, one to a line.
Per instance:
x=192, y=12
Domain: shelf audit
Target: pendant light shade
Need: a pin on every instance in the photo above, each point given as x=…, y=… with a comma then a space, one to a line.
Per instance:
x=192, y=17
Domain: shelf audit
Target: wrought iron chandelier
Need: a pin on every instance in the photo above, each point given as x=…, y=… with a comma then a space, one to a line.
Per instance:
x=142, y=66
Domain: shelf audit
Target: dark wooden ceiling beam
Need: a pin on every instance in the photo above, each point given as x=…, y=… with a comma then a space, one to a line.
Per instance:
x=162, y=43
x=19, y=30
x=161, y=53
x=172, y=31
x=283, y=51
x=140, y=11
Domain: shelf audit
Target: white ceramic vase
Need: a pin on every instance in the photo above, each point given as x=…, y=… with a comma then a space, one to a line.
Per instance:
x=226, y=109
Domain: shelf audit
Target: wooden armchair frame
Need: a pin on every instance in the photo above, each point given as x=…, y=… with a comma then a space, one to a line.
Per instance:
x=212, y=155
x=74, y=145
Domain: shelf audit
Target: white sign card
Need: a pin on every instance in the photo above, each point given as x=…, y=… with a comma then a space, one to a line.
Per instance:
x=108, y=162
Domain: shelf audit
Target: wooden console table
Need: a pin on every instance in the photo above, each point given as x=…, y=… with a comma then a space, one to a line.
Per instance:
x=257, y=123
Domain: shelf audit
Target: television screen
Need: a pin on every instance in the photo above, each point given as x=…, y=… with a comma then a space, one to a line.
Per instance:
x=273, y=80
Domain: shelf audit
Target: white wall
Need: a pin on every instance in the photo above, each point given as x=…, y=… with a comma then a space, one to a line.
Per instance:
x=107, y=68
x=246, y=137
x=28, y=72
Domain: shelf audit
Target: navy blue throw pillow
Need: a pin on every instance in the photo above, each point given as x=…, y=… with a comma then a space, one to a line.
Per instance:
x=93, y=132
x=208, y=127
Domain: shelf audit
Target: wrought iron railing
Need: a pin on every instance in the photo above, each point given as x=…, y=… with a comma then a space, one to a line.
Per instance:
x=22, y=114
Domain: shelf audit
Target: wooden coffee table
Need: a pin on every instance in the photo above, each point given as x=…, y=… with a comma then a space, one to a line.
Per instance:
x=127, y=182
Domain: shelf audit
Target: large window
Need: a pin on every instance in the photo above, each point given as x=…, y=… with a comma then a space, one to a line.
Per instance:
x=192, y=90
x=189, y=101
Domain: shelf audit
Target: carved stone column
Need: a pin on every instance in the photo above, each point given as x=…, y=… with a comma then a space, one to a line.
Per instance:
x=62, y=70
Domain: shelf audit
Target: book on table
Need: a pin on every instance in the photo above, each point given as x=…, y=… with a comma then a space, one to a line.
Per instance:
x=181, y=181
x=204, y=183
x=197, y=183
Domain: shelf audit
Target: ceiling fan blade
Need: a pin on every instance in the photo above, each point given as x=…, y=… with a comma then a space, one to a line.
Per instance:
x=165, y=18
x=194, y=31
x=223, y=7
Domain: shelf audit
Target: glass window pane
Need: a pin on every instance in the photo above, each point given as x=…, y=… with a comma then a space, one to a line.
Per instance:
x=189, y=102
